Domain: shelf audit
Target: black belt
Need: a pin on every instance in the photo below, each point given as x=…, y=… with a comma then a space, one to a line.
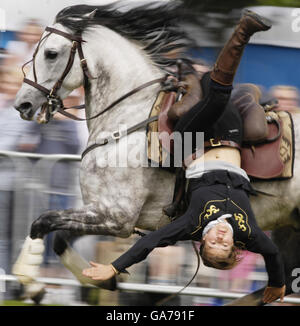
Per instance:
x=210, y=144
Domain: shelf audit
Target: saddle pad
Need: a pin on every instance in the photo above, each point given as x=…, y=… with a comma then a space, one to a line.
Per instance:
x=165, y=125
x=158, y=132
x=273, y=160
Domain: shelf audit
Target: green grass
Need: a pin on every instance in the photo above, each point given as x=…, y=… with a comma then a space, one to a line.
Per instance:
x=22, y=303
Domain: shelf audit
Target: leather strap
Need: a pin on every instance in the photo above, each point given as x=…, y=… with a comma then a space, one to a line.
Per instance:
x=116, y=135
x=62, y=110
x=58, y=84
x=69, y=65
x=217, y=143
x=36, y=85
x=83, y=63
x=77, y=45
x=120, y=99
x=71, y=37
x=209, y=144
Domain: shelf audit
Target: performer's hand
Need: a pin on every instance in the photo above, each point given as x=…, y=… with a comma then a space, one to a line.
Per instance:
x=99, y=272
x=273, y=293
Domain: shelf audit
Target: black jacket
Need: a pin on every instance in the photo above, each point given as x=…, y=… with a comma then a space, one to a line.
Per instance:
x=211, y=196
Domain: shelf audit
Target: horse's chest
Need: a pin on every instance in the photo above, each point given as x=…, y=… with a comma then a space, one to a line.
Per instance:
x=110, y=184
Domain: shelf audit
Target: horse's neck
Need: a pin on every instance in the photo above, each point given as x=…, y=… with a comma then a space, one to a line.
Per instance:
x=122, y=67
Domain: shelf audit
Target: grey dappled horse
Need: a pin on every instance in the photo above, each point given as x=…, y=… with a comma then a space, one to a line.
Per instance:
x=121, y=50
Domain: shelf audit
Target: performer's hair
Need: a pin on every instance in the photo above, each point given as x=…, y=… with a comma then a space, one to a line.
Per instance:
x=220, y=263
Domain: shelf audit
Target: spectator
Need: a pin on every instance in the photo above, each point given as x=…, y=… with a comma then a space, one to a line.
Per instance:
x=287, y=96
x=21, y=49
x=164, y=268
x=15, y=135
x=238, y=279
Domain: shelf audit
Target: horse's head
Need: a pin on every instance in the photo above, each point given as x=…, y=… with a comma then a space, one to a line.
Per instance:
x=58, y=67
x=125, y=47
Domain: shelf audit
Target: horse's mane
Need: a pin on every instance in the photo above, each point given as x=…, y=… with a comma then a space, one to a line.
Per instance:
x=156, y=26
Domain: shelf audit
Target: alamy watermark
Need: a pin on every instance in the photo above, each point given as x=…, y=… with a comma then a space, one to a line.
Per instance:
x=296, y=282
x=140, y=150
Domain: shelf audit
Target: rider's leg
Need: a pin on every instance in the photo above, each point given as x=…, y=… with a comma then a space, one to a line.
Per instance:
x=245, y=98
x=228, y=61
x=218, y=83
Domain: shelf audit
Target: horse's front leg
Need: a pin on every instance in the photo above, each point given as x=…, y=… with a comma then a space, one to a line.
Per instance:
x=86, y=220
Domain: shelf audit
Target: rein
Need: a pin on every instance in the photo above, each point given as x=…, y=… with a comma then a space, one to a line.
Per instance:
x=119, y=100
x=171, y=296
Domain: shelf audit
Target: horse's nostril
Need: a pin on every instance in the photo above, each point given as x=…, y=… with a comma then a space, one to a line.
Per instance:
x=23, y=107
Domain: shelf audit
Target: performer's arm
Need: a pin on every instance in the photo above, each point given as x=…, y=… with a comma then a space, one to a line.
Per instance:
x=167, y=235
x=263, y=245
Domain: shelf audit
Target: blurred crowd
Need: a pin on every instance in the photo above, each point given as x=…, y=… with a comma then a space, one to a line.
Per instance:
x=173, y=265
x=59, y=136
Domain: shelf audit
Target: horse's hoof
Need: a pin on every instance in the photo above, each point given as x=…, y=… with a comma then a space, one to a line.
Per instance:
x=34, y=291
x=38, y=297
x=26, y=268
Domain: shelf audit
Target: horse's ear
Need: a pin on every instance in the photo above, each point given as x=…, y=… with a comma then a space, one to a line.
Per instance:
x=90, y=15
x=81, y=18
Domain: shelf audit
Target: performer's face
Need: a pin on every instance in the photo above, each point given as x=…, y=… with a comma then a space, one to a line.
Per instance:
x=219, y=241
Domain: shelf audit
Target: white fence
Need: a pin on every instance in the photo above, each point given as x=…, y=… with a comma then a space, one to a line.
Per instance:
x=30, y=183
x=166, y=289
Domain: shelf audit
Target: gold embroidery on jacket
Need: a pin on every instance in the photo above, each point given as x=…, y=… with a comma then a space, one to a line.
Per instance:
x=242, y=223
x=207, y=212
x=211, y=210
x=240, y=219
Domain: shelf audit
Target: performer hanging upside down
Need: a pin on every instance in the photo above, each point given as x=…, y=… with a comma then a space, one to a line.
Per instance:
x=219, y=214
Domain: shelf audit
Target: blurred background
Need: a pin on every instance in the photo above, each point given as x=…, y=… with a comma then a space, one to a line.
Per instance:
x=29, y=186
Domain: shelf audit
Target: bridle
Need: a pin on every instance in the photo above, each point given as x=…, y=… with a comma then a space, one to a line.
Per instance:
x=54, y=103
x=53, y=100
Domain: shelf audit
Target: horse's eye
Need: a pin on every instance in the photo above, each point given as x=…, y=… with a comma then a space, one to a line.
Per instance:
x=50, y=54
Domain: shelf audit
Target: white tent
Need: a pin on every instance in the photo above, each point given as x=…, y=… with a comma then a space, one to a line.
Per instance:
x=285, y=30
x=16, y=12
x=13, y=13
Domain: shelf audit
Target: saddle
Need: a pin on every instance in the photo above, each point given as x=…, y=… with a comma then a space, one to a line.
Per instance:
x=267, y=151
x=272, y=158
x=160, y=143
x=169, y=110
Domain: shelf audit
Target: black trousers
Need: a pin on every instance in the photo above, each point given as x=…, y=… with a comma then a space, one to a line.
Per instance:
x=202, y=116
x=208, y=110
